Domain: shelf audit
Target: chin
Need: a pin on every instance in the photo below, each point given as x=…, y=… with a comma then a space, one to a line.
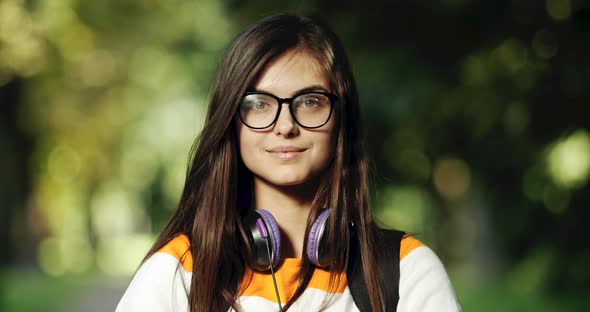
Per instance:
x=287, y=181
x=287, y=178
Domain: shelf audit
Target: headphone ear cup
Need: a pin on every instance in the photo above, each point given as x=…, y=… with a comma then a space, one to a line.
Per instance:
x=317, y=249
x=258, y=254
x=275, y=236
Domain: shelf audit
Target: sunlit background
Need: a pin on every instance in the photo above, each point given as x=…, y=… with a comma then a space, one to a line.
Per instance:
x=475, y=111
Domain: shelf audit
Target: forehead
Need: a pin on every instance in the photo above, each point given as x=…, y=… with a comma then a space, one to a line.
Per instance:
x=291, y=72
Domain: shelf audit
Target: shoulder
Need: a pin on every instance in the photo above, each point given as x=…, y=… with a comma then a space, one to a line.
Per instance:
x=407, y=245
x=162, y=281
x=424, y=282
x=388, y=237
x=179, y=248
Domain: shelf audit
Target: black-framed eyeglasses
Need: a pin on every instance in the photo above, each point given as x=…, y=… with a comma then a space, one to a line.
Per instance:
x=260, y=110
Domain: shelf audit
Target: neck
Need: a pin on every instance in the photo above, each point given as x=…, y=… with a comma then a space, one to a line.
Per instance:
x=290, y=205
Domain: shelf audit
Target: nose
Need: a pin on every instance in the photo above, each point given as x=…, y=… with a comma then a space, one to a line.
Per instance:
x=285, y=125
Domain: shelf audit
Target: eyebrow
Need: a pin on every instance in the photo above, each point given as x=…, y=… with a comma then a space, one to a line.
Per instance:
x=300, y=91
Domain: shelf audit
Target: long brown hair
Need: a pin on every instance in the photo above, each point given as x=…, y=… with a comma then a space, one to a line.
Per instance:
x=218, y=188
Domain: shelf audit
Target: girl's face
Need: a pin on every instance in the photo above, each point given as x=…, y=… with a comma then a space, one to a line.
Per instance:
x=286, y=153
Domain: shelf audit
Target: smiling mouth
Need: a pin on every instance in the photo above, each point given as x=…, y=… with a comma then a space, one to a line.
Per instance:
x=286, y=152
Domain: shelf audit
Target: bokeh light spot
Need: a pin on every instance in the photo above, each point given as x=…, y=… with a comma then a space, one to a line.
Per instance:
x=122, y=255
x=97, y=68
x=559, y=10
x=21, y=48
x=137, y=168
x=568, y=160
x=405, y=207
x=511, y=55
x=78, y=254
x=475, y=71
x=451, y=177
x=116, y=211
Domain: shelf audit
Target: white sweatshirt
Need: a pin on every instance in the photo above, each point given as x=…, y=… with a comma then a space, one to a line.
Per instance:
x=162, y=283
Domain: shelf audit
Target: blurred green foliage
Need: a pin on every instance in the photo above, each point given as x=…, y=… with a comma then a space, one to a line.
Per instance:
x=476, y=123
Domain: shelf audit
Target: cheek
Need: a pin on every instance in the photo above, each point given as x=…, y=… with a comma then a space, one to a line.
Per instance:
x=326, y=151
x=248, y=144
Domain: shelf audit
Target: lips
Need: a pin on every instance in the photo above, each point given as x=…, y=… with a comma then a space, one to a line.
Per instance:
x=285, y=149
x=286, y=152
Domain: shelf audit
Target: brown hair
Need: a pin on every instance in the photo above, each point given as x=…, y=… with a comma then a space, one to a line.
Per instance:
x=218, y=188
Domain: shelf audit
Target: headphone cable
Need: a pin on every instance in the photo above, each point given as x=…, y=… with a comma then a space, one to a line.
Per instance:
x=272, y=272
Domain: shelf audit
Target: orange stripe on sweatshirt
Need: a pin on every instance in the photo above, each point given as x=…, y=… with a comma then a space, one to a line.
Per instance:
x=408, y=244
x=179, y=248
x=260, y=284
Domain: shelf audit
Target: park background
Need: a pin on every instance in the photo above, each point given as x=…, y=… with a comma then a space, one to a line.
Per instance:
x=476, y=116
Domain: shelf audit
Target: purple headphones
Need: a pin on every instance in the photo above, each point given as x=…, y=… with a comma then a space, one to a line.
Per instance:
x=260, y=224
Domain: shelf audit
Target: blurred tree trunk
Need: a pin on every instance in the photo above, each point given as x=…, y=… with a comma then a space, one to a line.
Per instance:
x=15, y=149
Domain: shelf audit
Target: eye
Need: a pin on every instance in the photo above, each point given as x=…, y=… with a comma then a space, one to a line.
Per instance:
x=257, y=103
x=311, y=101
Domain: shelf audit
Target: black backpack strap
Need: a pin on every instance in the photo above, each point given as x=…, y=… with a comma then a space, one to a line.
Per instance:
x=387, y=249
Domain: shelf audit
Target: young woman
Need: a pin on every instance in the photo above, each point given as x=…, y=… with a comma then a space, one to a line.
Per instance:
x=279, y=170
